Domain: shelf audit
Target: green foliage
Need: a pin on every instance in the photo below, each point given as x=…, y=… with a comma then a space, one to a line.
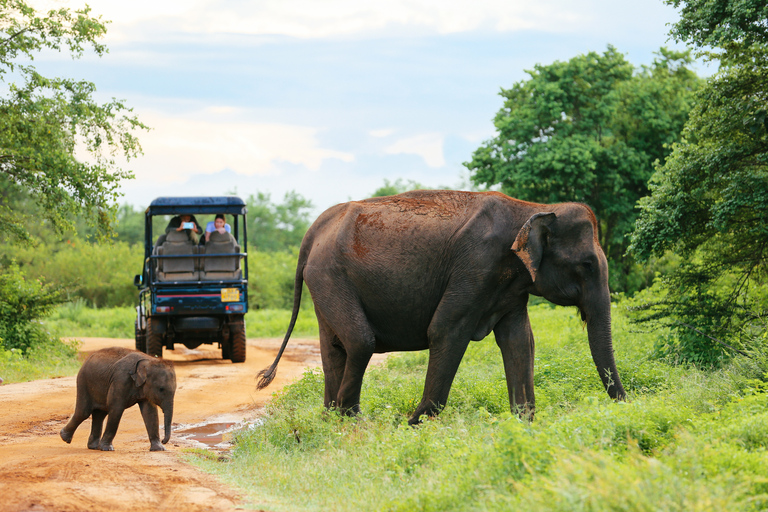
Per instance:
x=273, y=323
x=76, y=319
x=720, y=23
x=48, y=359
x=687, y=439
x=277, y=227
x=45, y=119
x=589, y=130
x=100, y=273
x=23, y=301
x=392, y=188
x=271, y=280
x=709, y=199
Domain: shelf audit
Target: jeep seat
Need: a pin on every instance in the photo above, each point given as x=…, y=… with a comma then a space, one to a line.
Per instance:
x=221, y=268
x=177, y=269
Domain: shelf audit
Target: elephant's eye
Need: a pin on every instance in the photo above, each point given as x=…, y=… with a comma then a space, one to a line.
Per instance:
x=162, y=390
x=587, y=266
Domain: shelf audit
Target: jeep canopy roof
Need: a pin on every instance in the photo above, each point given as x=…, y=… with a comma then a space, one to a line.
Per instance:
x=232, y=205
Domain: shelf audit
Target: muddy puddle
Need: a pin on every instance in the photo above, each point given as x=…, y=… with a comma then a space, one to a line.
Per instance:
x=215, y=435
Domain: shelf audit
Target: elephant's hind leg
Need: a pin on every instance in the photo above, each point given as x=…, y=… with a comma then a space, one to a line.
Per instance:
x=97, y=421
x=82, y=411
x=334, y=360
x=346, y=346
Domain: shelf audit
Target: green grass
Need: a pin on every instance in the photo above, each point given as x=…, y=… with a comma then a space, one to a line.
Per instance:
x=685, y=440
x=75, y=319
x=52, y=359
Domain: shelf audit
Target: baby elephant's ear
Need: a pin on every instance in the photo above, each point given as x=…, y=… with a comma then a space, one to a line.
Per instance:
x=139, y=373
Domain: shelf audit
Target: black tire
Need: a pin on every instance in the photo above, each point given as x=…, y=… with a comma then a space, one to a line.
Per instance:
x=226, y=348
x=141, y=339
x=237, y=341
x=154, y=340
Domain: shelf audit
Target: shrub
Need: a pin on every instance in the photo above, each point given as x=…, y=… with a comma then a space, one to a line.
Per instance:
x=23, y=301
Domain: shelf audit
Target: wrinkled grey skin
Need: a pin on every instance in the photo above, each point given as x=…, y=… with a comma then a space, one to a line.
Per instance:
x=113, y=379
x=436, y=269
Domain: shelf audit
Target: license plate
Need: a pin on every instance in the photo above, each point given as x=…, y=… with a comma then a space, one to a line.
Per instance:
x=230, y=295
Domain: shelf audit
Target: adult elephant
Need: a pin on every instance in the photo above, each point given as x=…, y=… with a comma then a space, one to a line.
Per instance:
x=436, y=269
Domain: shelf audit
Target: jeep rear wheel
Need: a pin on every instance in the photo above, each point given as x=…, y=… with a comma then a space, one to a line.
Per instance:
x=141, y=339
x=237, y=342
x=154, y=339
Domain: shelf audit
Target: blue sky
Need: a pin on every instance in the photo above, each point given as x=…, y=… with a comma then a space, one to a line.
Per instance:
x=330, y=98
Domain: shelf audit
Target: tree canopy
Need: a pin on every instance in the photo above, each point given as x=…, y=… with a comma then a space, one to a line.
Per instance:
x=277, y=226
x=709, y=200
x=589, y=130
x=45, y=122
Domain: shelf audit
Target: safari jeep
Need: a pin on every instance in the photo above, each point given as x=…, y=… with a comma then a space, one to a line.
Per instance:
x=193, y=293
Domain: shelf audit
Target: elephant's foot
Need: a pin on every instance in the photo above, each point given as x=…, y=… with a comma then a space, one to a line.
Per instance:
x=93, y=444
x=66, y=436
x=156, y=447
x=106, y=447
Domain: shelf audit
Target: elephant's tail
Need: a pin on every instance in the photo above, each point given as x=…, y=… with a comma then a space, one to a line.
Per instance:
x=266, y=375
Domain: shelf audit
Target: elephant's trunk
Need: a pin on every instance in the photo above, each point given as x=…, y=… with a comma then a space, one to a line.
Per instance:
x=168, y=413
x=598, y=320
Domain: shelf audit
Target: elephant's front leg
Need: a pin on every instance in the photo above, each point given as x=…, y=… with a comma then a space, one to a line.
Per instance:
x=149, y=413
x=113, y=421
x=515, y=339
x=445, y=353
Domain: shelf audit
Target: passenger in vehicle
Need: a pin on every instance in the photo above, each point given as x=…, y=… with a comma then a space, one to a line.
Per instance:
x=219, y=224
x=178, y=224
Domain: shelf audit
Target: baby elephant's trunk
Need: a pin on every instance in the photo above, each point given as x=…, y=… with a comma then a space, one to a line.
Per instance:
x=168, y=412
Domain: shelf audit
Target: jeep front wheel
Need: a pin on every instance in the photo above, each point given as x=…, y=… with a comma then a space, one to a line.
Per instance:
x=141, y=339
x=154, y=339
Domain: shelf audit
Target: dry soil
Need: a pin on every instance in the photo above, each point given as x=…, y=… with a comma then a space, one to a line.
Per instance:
x=40, y=472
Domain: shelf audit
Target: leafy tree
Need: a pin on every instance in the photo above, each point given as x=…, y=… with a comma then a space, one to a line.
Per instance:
x=275, y=227
x=709, y=200
x=392, y=188
x=589, y=130
x=22, y=301
x=44, y=120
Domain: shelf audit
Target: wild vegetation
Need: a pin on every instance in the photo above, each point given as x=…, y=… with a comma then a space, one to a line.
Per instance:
x=590, y=130
x=692, y=154
x=685, y=440
x=708, y=201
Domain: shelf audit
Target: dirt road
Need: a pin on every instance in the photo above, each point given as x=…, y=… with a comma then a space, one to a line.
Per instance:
x=40, y=472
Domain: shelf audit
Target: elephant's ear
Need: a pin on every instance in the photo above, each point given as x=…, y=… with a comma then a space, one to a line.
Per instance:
x=530, y=241
x=139, y=373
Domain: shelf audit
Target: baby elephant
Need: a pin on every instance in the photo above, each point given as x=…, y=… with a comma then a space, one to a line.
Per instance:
x=113, y=379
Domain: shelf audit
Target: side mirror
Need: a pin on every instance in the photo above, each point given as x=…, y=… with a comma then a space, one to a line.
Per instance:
x=138, y=280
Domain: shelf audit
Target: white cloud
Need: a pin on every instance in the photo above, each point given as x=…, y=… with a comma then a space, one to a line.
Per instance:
x=428, y=146
x=338, y=18
x=384, y=132
x=205, y=143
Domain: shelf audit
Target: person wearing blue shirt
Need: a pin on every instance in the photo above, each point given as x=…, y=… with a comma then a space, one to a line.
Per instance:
x=219, y=224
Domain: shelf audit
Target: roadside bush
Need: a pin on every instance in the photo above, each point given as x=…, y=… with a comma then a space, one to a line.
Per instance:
x=101, y=274
x=271, y=277
x=49, y=359
x=23, y=301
